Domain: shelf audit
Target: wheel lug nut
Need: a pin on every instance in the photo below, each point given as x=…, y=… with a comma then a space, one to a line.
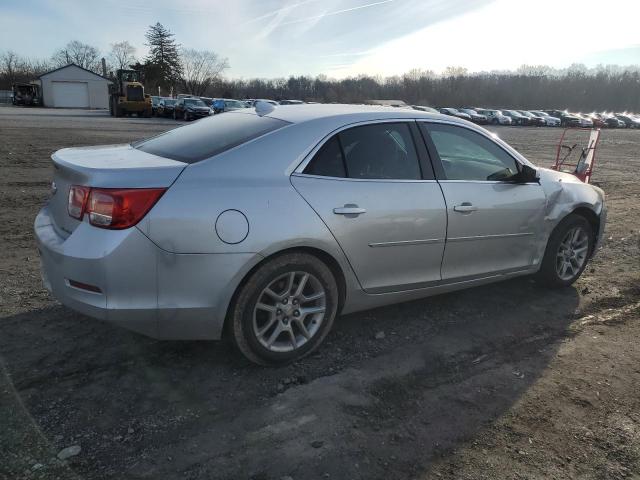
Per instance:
x=278, y=312
x=295, y=301
x=285, y=301
x=296, y=313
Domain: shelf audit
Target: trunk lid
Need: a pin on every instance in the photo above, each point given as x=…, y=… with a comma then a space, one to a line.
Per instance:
x=109, y=166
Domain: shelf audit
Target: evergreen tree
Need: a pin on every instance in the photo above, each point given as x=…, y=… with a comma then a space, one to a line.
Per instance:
x=163, y=58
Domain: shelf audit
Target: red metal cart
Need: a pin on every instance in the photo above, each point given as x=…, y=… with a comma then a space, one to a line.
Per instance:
x=577, y=159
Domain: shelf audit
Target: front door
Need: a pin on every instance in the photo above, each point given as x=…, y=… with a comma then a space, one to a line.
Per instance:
x=367, y=185
x=493, y=225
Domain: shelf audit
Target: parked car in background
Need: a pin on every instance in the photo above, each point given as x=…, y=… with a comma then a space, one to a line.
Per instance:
x=629, y=120
x=291, y=102
x=423, y=108
x=454, y=112
x=165, y=107
x=517, y=118
x=495, y=117
x=548, y=119
x=155, y=101
x=585, y=122
x=208, y=101
x=612, y=121
x=534, y=119
x=476, y=117
x=566, y=119
x=182, y=236
x=221, y=105
x=252, y=101
x=190, y=109
x=597, y=119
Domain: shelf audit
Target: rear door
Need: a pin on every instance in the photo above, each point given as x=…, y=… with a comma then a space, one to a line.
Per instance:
x=493, y=225
x=374, y=188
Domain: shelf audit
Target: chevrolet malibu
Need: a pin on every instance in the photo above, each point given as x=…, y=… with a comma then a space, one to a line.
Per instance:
x=263, y=225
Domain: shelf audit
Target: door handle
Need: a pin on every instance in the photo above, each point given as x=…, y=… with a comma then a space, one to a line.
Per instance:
x=349, y=210
x=466, y=207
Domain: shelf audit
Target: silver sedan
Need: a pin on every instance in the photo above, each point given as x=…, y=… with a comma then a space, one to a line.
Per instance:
x=265, y=224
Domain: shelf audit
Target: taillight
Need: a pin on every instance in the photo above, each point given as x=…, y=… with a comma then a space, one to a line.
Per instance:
x=77, y=201
x=116, y=208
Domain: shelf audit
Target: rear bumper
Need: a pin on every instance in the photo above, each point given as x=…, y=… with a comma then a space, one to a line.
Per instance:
x=141, y=287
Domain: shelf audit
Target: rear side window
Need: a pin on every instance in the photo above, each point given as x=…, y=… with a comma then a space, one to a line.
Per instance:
x=209, y=136
x=328, y=161
x=379, y=151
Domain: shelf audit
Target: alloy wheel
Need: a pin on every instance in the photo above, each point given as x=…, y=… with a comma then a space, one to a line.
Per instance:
x=572, y=253
x=289, y=311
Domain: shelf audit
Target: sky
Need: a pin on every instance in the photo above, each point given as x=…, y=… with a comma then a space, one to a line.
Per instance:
x=342, y=38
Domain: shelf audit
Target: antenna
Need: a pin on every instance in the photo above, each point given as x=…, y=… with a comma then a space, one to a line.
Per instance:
x=264, y=108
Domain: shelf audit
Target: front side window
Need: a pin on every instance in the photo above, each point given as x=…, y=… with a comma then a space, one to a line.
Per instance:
x=382, y=151
x=467, y=155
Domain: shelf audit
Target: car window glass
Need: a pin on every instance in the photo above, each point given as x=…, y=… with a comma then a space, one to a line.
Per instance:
x=467, y=155
x=380, y=151
x=328, y=161
x=209, y=136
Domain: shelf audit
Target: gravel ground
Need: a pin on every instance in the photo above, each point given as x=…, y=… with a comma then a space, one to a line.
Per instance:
x=502, y=381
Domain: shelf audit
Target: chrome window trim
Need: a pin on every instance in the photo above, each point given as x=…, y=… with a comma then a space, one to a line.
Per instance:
x=488, y=181
x=346, y=179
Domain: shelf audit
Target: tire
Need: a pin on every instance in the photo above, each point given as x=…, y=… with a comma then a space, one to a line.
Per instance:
x=550, y=273
x=494, y=121
x=175, y=117
x=256, y=317
x=185, y=116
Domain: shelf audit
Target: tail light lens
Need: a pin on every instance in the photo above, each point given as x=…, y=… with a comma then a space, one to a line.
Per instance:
x=77, y=201
x=114, y=208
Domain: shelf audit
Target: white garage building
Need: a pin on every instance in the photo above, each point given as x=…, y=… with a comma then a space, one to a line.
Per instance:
x=74, y=87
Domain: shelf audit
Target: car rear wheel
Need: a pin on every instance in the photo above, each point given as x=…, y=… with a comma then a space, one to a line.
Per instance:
x=567, y=252
x=284, y=310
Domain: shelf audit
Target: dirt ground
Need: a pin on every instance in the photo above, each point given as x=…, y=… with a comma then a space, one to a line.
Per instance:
x=507, y=381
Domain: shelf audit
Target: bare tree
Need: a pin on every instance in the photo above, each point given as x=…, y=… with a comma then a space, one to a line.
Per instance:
x=122, y=55
x=200, y=69
x=10, y=64
x=81, y=54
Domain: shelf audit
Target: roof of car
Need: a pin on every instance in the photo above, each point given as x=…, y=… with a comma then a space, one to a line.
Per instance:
x=307, y=112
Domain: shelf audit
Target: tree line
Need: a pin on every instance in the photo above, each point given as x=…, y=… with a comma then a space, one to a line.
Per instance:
x=577, y=88
x=169, y=69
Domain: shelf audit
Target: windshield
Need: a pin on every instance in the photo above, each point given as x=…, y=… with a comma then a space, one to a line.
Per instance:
x=234, y=104
x=170, y=101
x=195, y=102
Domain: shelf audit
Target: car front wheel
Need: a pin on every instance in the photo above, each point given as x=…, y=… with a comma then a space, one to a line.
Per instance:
x=567, y=252
x=284, y=310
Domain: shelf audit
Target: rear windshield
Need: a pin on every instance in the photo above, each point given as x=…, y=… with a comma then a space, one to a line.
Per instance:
x=209, y=136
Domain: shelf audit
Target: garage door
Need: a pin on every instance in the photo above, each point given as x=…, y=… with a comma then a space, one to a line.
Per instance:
x=70, y=94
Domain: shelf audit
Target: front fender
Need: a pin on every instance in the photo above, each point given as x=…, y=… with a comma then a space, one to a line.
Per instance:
x=565, y=194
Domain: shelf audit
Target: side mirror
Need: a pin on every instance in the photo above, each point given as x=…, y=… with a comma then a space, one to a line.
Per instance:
x=528, y=174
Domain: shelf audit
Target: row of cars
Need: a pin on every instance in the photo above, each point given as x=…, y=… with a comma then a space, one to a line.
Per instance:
x=548, y=118
x=188, y=107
